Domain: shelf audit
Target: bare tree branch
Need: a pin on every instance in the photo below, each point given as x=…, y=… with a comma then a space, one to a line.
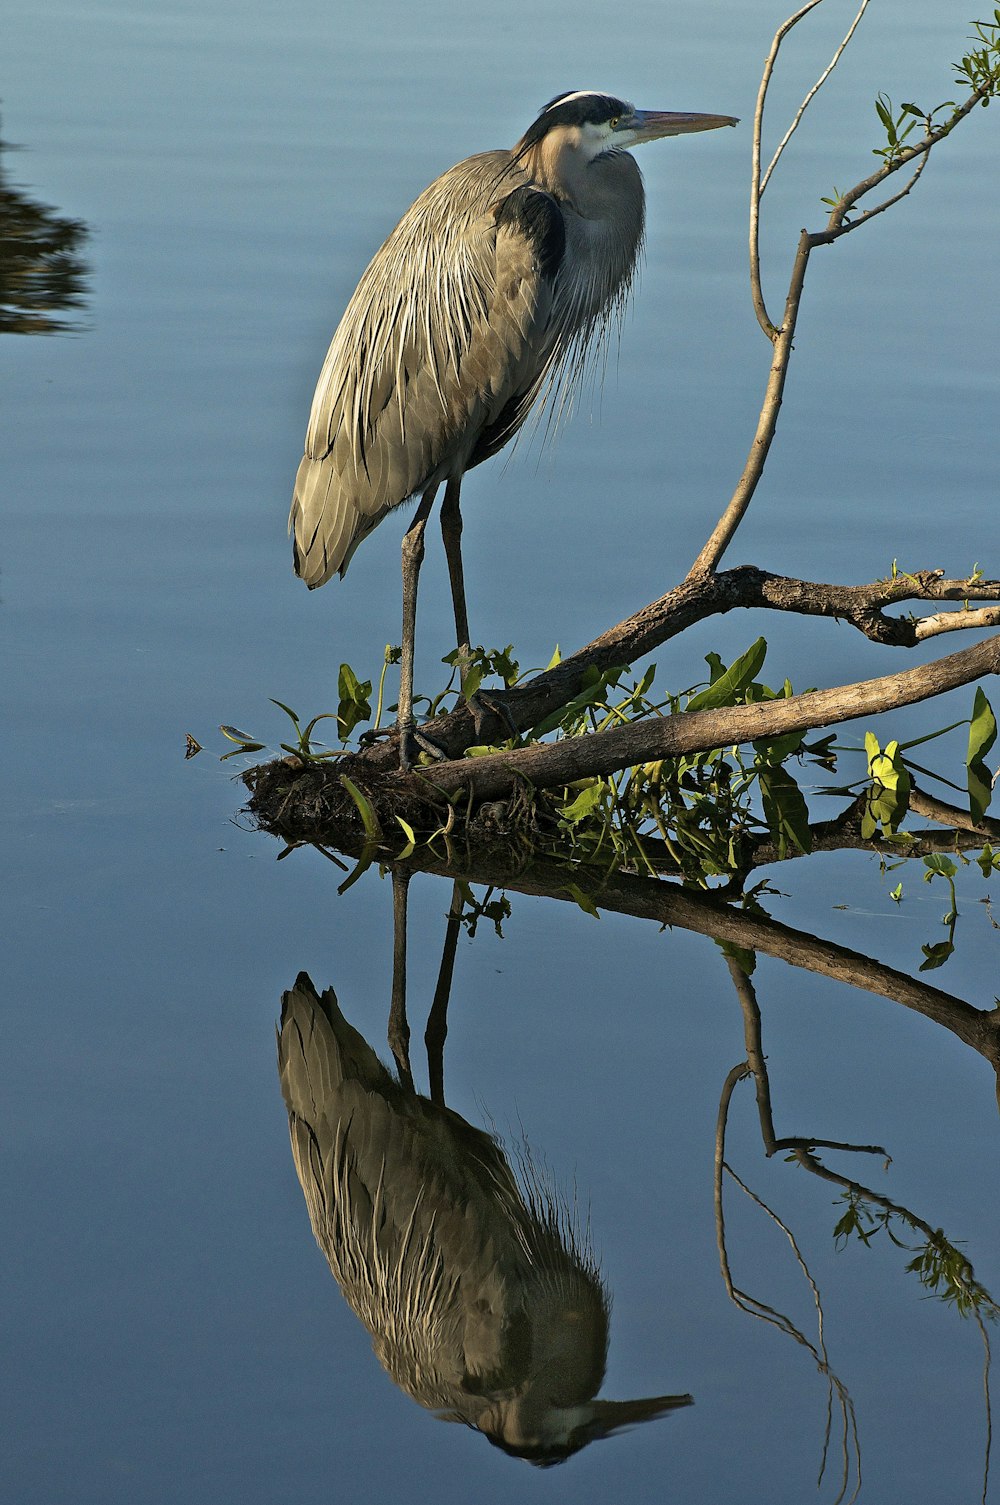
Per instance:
x=812, y=94
x=759, y=182
x=545, y=765
x=838, y=225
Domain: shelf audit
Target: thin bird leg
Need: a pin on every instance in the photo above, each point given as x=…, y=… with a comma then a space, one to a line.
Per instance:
x=482, y=702
x=437, y=1019
x=451, y=532
x=399, y=1029
x=413, y=553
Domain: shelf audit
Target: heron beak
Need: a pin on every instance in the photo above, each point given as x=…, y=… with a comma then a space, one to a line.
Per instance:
x=649, y=125
x=608, y=1416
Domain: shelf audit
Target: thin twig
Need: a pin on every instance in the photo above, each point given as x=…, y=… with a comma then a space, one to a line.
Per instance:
x=754, y=1307
x=759, y=182
x=812, y=94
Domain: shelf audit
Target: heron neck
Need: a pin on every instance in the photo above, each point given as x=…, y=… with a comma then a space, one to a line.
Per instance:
x=598, y=188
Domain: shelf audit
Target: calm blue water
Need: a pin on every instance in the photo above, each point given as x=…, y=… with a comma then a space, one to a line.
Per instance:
x=173, y=1334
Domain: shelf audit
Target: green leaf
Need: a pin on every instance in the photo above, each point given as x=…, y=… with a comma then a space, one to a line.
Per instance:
x=779, y=748
x=287, y=710
x=585, y=803
x=785, y=810
x=982, y=729
x=982, y=736
x=585, y=902
x=368, y=817
x=506, y=666
x=354, y=702
x=727, y=686
x=980, y=791
x=938, y=865
x=409, y=833
x=594, y=689
x=746, y=960
x=897, y=893
x=554, y=660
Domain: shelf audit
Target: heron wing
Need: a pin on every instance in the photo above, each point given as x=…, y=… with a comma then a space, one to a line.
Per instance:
x=437, y=359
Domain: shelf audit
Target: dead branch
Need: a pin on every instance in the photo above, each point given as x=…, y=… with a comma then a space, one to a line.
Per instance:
x=863, y=607
x=545, y=765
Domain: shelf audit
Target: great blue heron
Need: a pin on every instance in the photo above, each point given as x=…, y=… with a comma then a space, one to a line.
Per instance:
x=488, y=294
x=483, y=1301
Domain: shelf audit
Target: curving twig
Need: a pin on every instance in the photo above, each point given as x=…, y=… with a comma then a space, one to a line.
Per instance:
x=838, y=224
x=759, y=181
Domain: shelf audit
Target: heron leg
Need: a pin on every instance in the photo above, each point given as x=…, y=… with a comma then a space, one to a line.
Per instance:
x=437, y=1019
x=413, y=554
x=482, y=703
x=399, y=1029
x=451, y=532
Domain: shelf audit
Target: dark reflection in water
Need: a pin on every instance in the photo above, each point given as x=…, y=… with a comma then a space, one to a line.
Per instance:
x=482, y=1296
x=42, y=271
x=483, y=1302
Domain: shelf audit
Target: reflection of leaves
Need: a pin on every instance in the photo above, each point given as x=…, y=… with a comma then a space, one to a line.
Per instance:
x=494, y=910
x=942, y=1269
x=939, y=866
x=936, y=955
x=889, y=797
x=41, y=269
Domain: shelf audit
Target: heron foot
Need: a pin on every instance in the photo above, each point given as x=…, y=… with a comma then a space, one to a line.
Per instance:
x=374, y=734
x=486, y=703
x=412, y=743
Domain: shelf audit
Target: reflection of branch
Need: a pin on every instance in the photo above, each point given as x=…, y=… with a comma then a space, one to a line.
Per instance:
x=764, y=1313
x=972, y=1295
x=758, y=1070
x=669, y=905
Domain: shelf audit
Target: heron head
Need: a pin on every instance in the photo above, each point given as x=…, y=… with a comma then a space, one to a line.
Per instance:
x=594, y=123
x=546, y=1435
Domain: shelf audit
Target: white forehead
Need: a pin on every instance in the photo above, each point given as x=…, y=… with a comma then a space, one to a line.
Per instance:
x=578, y=94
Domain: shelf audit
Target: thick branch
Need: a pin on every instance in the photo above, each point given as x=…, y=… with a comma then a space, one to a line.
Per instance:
x=546, y=765
x=863, y=606
x=669, y=905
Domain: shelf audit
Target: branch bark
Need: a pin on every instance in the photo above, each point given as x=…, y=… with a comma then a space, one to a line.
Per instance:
x=545, y=765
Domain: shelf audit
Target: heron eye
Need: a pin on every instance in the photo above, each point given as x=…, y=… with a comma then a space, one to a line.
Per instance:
x=613, y=122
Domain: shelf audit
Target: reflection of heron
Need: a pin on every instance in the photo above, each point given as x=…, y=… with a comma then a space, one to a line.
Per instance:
x=488, y=292
x=483, y=1302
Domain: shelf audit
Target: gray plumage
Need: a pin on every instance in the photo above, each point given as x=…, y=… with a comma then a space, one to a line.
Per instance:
x=465, y=315
x=482, y=1300
x=489, y=294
